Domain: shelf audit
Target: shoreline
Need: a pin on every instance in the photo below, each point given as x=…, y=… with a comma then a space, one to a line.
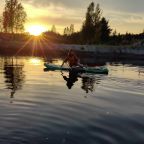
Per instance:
x=14, y=48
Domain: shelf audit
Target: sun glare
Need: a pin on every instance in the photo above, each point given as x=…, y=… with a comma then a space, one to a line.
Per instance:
x=36, y=30
x=35, y=61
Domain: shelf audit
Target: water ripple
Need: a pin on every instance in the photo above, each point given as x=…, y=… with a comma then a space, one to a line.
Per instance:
x=37, y=107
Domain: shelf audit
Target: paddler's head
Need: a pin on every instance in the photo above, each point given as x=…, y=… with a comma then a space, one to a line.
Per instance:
x=71, y=53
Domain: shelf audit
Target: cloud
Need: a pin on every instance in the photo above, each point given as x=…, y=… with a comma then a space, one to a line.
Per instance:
x=124, y=15
x=125, y=22
x=60, y=16
x=118, y=5
x=66, y=21
x=134, y=6
x=64, y=3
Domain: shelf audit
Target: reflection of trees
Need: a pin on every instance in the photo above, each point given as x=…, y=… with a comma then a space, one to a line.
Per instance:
x=14, y=75
x=88, y=83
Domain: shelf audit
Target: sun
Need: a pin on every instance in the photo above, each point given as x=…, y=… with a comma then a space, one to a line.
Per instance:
x=36, y=30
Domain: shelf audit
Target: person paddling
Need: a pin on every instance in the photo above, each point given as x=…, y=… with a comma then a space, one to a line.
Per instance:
x=72, y=59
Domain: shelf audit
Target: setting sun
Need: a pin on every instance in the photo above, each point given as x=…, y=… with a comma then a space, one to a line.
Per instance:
x=36, y=30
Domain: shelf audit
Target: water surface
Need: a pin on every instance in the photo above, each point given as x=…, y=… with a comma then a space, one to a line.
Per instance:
x=43, y=108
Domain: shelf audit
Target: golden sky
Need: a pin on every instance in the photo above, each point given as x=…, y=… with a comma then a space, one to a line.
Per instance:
x=123, y=15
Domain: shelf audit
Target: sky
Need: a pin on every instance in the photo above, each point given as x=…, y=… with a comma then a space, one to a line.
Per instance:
x=123, y=15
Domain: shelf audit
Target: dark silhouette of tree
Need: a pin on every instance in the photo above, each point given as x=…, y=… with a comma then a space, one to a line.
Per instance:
x=74, y=38
x=127, y=38
x=71, y=29
x=105, y=30
x=65, y=31
x=1, y=25
x=97, y=24
x=88, y=25
x=53, y=29
x=97, y=15
x=95, y=28
x=14, y=16
x=114, y=33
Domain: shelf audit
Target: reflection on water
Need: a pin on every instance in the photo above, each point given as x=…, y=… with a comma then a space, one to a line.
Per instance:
x=50, y=107
x=35, y=61
x=88, y=83
x=14, y=75
x=71, y=79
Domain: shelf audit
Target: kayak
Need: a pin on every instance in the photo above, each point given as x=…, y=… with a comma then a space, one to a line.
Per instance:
x=94, y=70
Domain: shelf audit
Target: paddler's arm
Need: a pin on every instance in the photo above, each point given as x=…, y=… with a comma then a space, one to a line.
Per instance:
x=65, y=60
x=79, y=64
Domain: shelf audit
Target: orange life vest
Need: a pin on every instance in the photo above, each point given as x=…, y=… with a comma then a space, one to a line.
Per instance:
x=73, y=61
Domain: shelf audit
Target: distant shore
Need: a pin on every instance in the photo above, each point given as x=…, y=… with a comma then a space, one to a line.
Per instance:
x=14, y=48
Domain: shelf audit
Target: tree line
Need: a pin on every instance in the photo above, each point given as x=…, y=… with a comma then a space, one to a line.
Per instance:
x=95, y=28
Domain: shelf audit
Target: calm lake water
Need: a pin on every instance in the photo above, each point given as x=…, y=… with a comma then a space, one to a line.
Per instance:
x=39, y=107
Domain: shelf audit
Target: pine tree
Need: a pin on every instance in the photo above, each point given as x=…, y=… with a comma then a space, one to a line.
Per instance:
x=53, y=29
x=97, y=24
x=105, y=30
x=114, y=33
x=71, y=29
x=65, y=31
x=88, y=25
